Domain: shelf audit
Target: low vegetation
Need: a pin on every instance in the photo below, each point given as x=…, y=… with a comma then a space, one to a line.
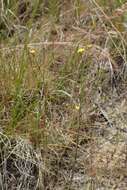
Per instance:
x=63, y=82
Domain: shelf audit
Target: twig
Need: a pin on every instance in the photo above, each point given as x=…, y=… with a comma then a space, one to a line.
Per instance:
x=35, y=45
x=104, y=114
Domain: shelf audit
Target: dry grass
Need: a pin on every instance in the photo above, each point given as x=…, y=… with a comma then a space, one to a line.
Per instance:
x=63, y=95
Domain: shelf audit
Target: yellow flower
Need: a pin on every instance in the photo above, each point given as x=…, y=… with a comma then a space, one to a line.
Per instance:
x=80, y=50
x=77, y=107
x=32, y=51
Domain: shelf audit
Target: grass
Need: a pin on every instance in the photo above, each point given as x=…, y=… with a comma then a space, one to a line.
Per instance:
x=62, y=95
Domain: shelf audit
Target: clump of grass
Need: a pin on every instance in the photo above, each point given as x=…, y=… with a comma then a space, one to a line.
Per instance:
x=53, y=8
x=20, y=164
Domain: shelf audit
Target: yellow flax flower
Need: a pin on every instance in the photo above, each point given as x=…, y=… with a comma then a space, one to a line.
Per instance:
x=32, y=51
x=77, y=107
x=80, y=50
